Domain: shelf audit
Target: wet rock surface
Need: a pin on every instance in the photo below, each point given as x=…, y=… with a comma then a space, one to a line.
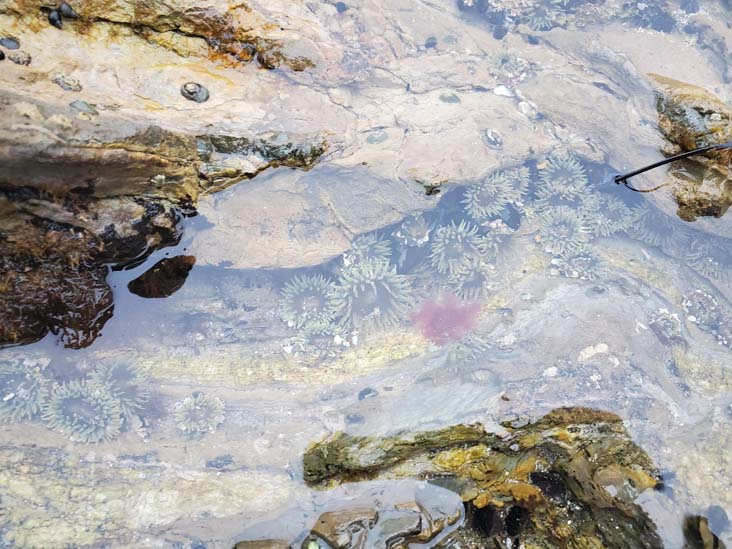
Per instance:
x=574, y=468
x=412, y=127
x=690, y=117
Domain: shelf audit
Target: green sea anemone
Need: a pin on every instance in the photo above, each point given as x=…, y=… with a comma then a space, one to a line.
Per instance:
x=23, y=388
x=308, y=300
x=368, y=247
x=372, y=296
x=456, y=247
x=126, y=383
x=565, y=170
x=542, y=17
x=321, y=341
x=712, y=258
x=554, y=194
x=518, y=184
x=580, y=263
x=414, y=231
x=563, y=231
x=488, y=198
x=83, y=412
x=611, y=216
x=198, y=414
x=473, y=282
x=658, y=229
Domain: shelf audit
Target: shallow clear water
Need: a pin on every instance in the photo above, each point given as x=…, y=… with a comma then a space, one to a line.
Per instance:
x=538, y=285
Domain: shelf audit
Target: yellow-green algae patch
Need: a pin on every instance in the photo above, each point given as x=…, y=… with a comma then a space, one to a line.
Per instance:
x=228, y=365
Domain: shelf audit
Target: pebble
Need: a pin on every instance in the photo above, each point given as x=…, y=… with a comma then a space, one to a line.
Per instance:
x=9, y=43
x=341, y=7
x=368, y=392
x=376, y=137
x=2, y=55
x=503, y=91
x=67, y=83
x=431, y=42
x=83, y=106
x=552, y=371
x=20, y=58
x=449, y=98
x=588, y=352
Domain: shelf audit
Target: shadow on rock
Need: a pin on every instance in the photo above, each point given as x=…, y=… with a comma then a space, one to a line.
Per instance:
x=164, y=278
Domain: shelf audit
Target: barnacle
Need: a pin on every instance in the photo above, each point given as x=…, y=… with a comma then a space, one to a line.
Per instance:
x=126, y=383
x=702, y=309
x=711, y=258
x=308, y=300
x=23, y=388
x=198, y=414
x=372, y=296
x=580, y=263
x=562, y=231
x=486, y=199
x=367, y=247
x=455, y=247
x=611, y=216
x=83, y=412
x=473, y=282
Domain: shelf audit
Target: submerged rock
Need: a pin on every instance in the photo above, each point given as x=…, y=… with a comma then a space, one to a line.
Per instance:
x=570, y=477
x=690, y=117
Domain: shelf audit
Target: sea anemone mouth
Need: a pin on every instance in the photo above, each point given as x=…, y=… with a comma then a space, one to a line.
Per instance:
x=373, y=296
x=456, y=247
x=308, y=300
x=199, y=414
x=563, y=231
x=126, y=383
x=83, y=413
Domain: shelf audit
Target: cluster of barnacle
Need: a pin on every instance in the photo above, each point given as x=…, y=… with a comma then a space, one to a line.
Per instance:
x=703, y=310
x=94, y=409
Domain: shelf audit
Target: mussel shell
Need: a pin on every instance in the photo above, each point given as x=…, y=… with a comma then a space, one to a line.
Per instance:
x=2, y=55
x=9, y=43
x=67, y=11
x=54, y=17
x=194, y=92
